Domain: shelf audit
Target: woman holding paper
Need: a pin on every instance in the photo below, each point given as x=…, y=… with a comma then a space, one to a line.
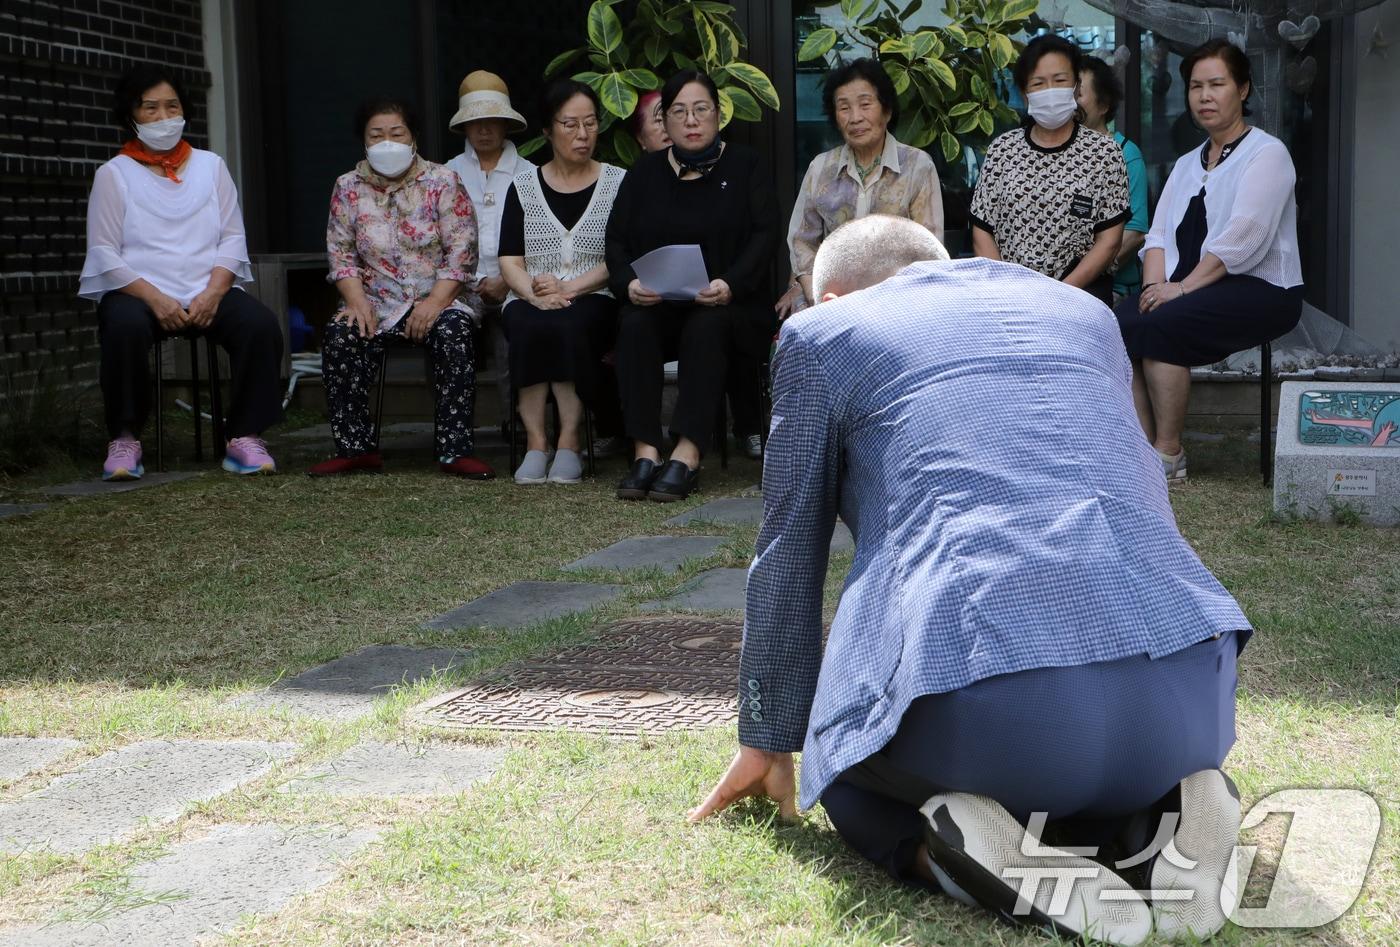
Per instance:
x=560, y=316
x=699, y=191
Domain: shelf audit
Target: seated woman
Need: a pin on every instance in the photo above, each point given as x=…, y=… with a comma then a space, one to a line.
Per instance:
x=560, y=318
x=1221, y=272
x=401, y=240
x=701, y=191
x=648, y=123
x=869, y=173
x=166, y=255
x=1052, y=196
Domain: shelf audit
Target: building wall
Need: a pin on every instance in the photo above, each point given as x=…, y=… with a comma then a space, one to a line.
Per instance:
x=1375, y=198
x=60, y=61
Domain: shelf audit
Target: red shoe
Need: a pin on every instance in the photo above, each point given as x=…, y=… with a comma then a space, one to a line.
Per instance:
x=473, y=468
x=360, y=463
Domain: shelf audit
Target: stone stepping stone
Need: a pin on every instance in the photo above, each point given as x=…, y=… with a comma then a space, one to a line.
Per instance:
x=524, y=603
x=108, y=798
x=746, y=511
x=20, y=509
x=719, y=590
x=204, y=888
x=20, y=756
x=394, y=769
x=96, y=488
x=347, y=687
x=668, y=553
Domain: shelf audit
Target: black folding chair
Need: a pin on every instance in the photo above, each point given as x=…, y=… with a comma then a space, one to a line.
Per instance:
x=216, y=401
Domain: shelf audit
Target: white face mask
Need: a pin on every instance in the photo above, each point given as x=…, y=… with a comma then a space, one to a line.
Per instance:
x=161, y=135
x=1051, y=108
x=389, y=158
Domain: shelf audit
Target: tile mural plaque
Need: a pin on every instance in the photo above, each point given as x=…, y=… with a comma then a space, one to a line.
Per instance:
x=1338, y=452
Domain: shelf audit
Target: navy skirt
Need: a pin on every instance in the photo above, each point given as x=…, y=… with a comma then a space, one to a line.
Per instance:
x=1211, y=323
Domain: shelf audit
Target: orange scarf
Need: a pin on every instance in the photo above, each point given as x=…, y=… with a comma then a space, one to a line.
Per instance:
x=167, y=162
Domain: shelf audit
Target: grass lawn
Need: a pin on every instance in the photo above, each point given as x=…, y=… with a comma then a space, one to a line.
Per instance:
x=138, y=616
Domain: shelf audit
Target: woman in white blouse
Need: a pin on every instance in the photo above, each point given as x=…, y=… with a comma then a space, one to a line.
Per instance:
x=1221, y=271
x=166, y=255
x=560, y=317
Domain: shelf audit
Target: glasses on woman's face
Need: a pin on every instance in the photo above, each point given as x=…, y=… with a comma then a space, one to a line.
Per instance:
x=701, y=112
x=572, y=125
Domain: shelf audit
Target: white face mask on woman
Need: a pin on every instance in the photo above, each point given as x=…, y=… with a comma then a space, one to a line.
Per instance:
x=161, y=135
x=1051, y=108
x=389, y=158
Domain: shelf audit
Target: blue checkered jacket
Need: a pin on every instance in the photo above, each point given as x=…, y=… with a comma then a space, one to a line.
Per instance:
x=972, y=422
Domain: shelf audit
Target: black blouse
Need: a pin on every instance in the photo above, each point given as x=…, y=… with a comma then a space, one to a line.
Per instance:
x=729, y=212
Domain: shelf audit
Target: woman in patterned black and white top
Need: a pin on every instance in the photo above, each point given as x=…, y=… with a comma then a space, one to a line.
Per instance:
x=1052, y=196
x=560, y=317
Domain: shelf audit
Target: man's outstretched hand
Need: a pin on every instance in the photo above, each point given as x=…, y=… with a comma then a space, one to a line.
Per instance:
x=753, y=773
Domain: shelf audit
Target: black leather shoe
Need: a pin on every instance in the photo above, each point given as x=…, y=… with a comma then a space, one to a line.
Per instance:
x=638, y=481
x=675, y=482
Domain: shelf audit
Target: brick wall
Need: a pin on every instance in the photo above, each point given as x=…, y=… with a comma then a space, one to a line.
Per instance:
x=58, y=64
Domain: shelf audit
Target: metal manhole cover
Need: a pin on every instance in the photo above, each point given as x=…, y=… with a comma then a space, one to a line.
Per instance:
x=640, y=676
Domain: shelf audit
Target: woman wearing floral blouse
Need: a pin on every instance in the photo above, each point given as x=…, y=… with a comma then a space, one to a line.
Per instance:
x=402, y=245
x=870, y=173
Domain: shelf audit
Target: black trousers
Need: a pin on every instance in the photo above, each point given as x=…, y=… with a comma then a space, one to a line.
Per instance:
x=648, y=336
x=750, y=338
x=248, y=332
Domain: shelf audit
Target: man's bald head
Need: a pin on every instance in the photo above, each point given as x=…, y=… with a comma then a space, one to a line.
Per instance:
x=868, y=251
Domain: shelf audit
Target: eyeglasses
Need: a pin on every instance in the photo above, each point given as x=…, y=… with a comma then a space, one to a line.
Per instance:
x=572, y=125
x=701, y=112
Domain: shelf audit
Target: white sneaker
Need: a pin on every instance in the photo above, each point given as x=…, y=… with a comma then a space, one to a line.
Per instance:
x=1205, y=839
x=1174, y=467
x=991, y=856
x=753, y=446
x=534, y=468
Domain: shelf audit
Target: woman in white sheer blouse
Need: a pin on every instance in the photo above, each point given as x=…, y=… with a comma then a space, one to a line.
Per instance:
x=166, y=255
x=1221, y=271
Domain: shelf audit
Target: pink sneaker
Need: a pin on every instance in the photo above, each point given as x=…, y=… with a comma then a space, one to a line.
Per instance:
x=248, y=455
x=123, y=460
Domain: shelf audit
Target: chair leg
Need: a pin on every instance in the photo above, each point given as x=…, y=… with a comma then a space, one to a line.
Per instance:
x=194, y=399
x=216, y=398
x=160, y=403
x=1266, y=413
x=379, y=402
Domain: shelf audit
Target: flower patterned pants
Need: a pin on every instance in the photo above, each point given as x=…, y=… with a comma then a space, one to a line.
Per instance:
x=349, y=363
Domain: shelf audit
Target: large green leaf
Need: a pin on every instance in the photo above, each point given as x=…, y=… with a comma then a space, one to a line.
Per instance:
x=745, y=105
x=709, y=46
x=625, y=146
x=592, y=79
x=956, y=34
x=926, y=43
x=1019, y=10
x=617, y=96
x=727, y=40
x=655, y=49
x=951, y=148
x=897, y=46
x=604, y=28
x=899, y=75
x=640, y=78
x=976, y=39
x=978, y=87
x=1002, y=50
x=912, y=8
x=962, y=108
x=817, y=44
x=759, y=84
x=984, y=122
x=563, y=59
x=726, y=107
x=711, y=6
x=943, y=71
x=965, y=124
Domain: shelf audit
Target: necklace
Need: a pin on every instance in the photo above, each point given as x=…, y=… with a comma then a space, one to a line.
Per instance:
x=864, y=172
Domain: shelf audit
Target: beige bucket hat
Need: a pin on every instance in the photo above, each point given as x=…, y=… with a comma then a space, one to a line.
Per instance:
x=483, y=94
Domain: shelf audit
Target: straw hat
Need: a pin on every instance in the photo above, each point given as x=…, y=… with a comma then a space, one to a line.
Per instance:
x=482, y=94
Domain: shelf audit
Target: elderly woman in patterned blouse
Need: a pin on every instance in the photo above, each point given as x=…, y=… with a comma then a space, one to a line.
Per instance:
x=870, y=173
x=402, y=244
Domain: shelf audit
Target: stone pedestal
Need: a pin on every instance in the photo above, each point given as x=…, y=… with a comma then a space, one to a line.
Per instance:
x=1338, y=451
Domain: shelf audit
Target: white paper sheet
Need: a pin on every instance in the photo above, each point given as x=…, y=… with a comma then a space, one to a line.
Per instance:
x=675, y=272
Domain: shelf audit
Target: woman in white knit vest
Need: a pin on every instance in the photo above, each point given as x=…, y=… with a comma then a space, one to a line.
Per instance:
x=559, y=318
